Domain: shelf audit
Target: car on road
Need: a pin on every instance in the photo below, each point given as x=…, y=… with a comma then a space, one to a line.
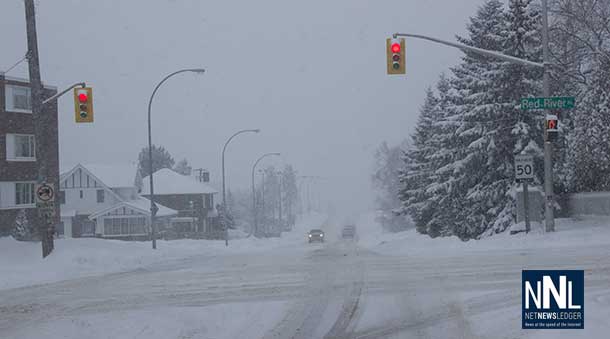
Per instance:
x=348, y=232
x=316, y=235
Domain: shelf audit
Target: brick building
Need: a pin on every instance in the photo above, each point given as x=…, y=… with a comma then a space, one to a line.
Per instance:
x=18, y=158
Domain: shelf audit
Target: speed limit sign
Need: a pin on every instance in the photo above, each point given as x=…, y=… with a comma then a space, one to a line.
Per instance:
x=524, y=167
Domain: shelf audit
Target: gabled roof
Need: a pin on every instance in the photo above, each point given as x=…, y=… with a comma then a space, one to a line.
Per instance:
x=140, y=204
x=67, y=174
x=167, y=181
x=115, y=175
x=111, y=175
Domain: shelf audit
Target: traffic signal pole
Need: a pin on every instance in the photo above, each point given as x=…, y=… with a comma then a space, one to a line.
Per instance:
x=40, y=120
x=481, y=51
x=549, y=216
x=51, y=99
x=548, y=147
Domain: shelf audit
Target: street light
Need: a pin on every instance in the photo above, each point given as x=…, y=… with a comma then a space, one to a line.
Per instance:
x=224, y=205
x=153, y=206
x=254, y=214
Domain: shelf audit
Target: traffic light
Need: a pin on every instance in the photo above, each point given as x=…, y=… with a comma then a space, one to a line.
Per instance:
x=83, y=104
x=551, y=127
x=395, y=50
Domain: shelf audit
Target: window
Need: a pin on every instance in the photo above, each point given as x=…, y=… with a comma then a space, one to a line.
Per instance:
x=18, y=99
x=209, y=201
x=107, y=226
x=24, y=193
x=20, y=147
x=137, y=226
x=87, y=228
x=62, y=197
x=25, y=146
x=100, y=196
x=81, y=194
x=124, y=226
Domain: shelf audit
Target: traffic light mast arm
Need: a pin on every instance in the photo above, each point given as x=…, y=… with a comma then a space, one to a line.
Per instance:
x=81, y=84
x=466, y=48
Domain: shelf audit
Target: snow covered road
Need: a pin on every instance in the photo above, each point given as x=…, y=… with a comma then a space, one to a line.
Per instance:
x=335, y=290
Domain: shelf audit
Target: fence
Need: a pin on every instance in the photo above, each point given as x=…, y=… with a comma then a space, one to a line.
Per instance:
x=592, y=203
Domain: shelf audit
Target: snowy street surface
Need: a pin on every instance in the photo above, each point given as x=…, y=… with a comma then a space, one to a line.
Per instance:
x=383, y=286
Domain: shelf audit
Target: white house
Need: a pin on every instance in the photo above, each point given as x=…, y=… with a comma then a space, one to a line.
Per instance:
x=104, y=201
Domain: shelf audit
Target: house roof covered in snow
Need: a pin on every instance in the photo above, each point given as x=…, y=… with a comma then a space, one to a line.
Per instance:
x=140, y=204
x=112, y=175
x=169, y=182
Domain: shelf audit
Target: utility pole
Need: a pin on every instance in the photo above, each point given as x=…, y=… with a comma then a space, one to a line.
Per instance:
x=548, y=146
x=46, y=229
x=309, y=196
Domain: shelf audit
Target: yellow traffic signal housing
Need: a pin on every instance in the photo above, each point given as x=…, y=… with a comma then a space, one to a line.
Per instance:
x=395, y=51
x=83, y=104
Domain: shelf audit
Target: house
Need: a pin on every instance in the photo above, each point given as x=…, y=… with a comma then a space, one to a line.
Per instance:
x=104, y=201
x=193, y=199
x=18, y=158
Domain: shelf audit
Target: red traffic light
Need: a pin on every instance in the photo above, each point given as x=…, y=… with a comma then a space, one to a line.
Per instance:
x=82, y=97
x=395, y=47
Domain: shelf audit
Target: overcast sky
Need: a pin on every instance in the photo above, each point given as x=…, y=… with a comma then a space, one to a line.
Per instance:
x=310, y=74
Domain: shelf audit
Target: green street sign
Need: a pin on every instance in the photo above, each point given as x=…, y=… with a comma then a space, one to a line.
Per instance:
x=547, y=103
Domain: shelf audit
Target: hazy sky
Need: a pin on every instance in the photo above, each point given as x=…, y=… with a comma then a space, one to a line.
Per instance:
x=310, y=74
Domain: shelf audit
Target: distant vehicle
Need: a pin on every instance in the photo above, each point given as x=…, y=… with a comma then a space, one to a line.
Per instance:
x=348, y=232
x=316, y=235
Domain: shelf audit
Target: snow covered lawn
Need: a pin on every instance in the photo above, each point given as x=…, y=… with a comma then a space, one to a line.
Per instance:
x=473, y=289
x=21, y=263
x=584, y=231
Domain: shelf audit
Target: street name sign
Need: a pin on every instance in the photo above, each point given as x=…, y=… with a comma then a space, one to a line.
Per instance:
x=548, y=103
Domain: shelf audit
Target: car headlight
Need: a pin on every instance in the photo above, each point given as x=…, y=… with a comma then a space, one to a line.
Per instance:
x=322, y=234
x=310, y=235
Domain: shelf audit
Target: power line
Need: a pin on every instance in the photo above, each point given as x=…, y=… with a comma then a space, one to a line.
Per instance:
x=17, y=63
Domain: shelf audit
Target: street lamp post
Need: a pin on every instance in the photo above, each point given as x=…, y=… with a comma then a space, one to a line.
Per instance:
x=224, y=202
x=254, y=213
x=263, y=197
x=279, y=204
x=153, y=206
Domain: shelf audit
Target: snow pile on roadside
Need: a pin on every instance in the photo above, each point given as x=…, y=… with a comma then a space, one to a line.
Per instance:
x=584, y=231
x=21, y=263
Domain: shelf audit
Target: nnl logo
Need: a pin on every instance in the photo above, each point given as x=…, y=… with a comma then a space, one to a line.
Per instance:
x=552, y=299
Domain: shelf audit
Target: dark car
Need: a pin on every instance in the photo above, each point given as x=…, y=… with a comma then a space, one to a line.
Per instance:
x=348, y=232
x=316, y=235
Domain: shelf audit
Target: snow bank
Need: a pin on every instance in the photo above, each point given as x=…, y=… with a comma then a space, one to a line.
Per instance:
x=21, y=263
x=585, y=231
